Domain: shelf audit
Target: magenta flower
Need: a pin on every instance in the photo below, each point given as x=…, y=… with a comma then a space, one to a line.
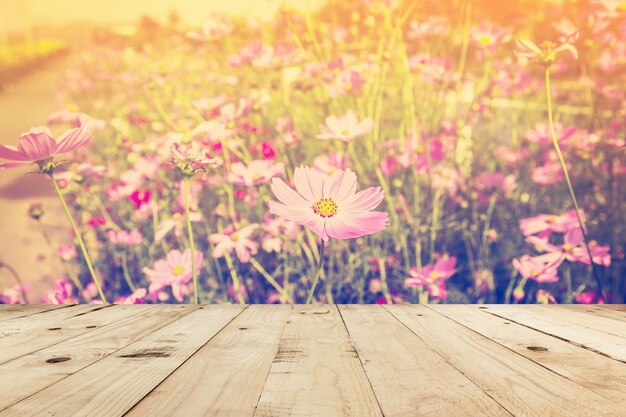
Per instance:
x=63, y=293
x=542, y=269
x=257, y=172
x=345, y=128
x=433, y=277
x=237, y=240
x=175, y=271
x=329, y=205
x=38, y=146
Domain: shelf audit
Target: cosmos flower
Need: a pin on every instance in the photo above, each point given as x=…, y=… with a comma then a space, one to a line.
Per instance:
x=433, y=277
x=39, y=146
x=329, y=205
x=190, y=159
x=174, y=270
x=237, y=240
x=542, y=269
x=345, y=128
x=255, y=173
x=547, y=51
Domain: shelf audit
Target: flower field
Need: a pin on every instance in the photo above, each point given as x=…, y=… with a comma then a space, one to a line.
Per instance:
x=368, y=152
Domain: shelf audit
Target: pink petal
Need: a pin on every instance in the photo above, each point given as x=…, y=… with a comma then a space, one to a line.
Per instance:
x=298, y=215
x=286, y=195
x=352, y=225
x=340, y=185
x=318, y=225
x=12, y=154
x=364, y=200
x=309, y=183
x=37, y=144
x=73, y=139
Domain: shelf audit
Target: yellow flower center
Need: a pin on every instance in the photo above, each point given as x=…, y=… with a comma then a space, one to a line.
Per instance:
x=534, y=272
x=257, y=176
x=567, y=247
x=234, y=237
x=325, y=207
x=433, y=275
x=178, y=270
x=484, y=40
x=345, y=132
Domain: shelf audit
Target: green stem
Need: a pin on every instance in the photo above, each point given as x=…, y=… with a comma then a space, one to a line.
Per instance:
x=191, y=242
x=80, y=239
x=129, y=281
x=320, y=266
x=559, y=154
x=270, y=279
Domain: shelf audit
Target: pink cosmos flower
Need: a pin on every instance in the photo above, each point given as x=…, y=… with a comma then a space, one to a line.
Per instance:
x=573, y=248
x=67, y=252
x=257, y=172
x=542, y=269
x=124, y=238
x=38, y=146
x=63, y=293
x=433, y=277
x=237, y=240
x=76, y=119
x=329, y=205
x=545, y=224
x=345, y=128
x=328, y=164
x=15, y=294
x=175, y=271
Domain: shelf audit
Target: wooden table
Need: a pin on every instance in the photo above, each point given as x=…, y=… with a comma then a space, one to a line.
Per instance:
x=279, y=360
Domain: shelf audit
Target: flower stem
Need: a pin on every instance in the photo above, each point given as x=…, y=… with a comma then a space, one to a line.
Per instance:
x=320, y=266
x=81, y=243
x=191, y=243
x=270, y=279
x=20, y=285
x=559, y=154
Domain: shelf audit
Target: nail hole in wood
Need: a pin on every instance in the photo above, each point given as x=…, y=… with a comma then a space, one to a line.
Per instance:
x=54, y=328
x=243, y=328
x=537, y=348
x=419, y=315
x=59, y=359
x=91, y=327
x=482, y=308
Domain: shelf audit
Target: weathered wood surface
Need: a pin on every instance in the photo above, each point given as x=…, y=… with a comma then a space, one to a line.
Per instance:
x=321, y=360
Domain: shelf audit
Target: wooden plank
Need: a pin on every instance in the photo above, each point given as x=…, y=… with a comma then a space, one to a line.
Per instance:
x=113, y=385
x=595, y=310
x=31, y=373
x=316, y=371
x=580, y=318
x=616, y=307
x=575, y=333
x=226, y=376
x=595, y=372
x=10, y=311
x=522, y=386
x=409, y=378
x=23, y=335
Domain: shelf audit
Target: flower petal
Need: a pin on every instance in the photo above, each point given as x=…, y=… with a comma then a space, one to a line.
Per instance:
x=12, y=154
x=298, y=215
x=352, y=225
x=364, y=200
x=287, y=195
x=340, y=185
x=37, y=144
x=73, y=139
x=309, y=183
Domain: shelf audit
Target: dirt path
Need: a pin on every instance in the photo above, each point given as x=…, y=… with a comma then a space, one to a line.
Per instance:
x=29, y=103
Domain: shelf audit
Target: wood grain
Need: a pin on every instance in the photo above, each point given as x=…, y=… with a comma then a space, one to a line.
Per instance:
x=9, y=311
x=586, y=368
x=237, y=360
x=33, y=372
x=521, y=385
x=407, y=376
x=316, y=371
x=112, y=386
x=578, y=333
